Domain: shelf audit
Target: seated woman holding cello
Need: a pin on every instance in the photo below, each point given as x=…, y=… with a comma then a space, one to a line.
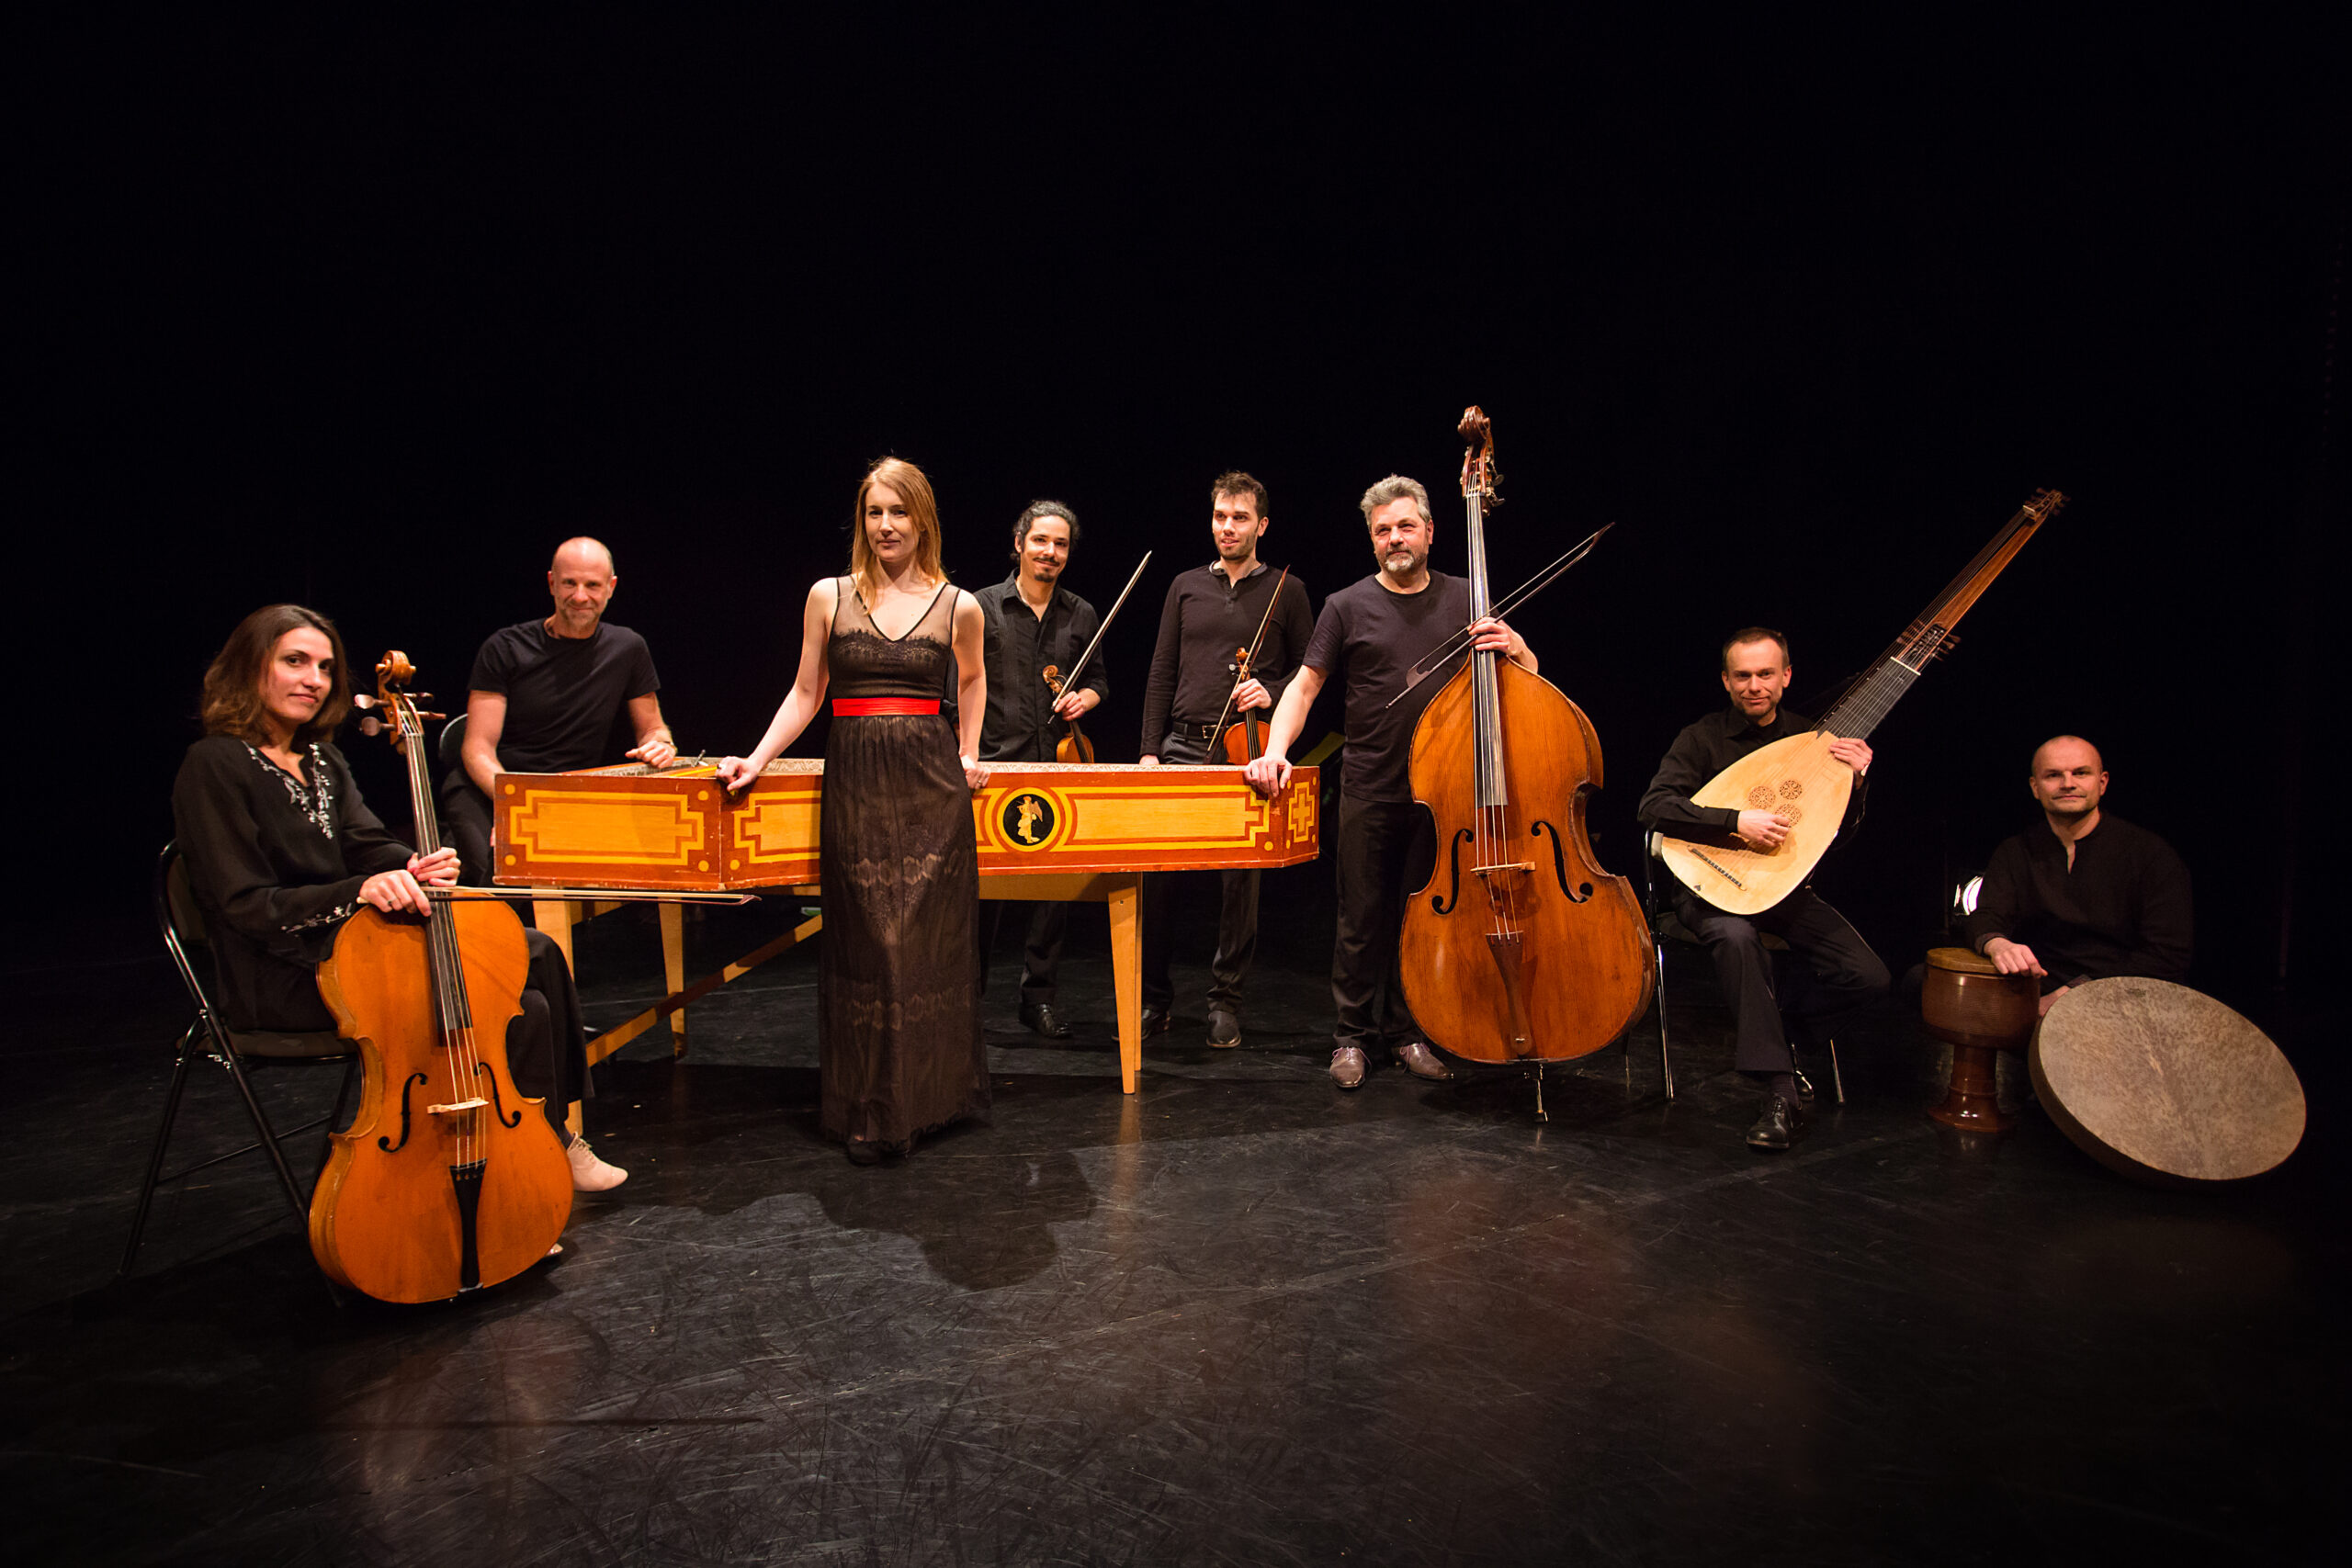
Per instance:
x=281, y=851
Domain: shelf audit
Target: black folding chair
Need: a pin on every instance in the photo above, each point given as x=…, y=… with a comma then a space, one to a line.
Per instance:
x=206, y=1037
x=1666, y=926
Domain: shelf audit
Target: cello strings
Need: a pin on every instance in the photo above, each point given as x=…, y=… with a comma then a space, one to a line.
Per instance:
x=444, y=968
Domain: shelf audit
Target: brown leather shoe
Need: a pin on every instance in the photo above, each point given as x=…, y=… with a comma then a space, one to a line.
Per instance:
x=1347, y=1067
x=1421, y=1062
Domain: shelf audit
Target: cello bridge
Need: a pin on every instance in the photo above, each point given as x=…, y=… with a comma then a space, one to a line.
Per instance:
x=476, y=1104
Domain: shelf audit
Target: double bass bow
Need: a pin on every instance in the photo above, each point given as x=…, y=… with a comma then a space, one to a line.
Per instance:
x=1519, y=949
x=449, y=1179
x=1245, y=742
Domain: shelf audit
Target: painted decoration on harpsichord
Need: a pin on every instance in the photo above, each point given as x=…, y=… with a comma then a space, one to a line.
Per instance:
x=1030, y=819
x=626, y=826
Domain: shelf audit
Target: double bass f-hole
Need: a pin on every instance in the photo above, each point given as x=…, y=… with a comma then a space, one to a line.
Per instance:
x=1445, y=902
x=1575, y=895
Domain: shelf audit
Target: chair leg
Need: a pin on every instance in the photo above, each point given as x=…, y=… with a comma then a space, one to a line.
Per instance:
x=294, y=1199
x=1665, y=1064
x=1836, y=1079
x=163, y=1141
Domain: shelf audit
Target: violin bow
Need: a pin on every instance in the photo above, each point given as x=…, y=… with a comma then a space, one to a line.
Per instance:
x=1079, y=669
x=1250, y=659
x=462, y=894
x=1510, y=604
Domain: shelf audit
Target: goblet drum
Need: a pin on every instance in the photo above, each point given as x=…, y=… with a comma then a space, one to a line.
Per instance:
x=1975, y=1010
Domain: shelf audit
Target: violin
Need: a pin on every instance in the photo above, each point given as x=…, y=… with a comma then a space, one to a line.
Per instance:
x=448, y=1180
x=1073, y=747
x=1244, y=743
x=1519, y=949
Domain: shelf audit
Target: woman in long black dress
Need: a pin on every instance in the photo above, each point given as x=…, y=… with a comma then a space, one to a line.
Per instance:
x=898, y=1018
x=281, y=851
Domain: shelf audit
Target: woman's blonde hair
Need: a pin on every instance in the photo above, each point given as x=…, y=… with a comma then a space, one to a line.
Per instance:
x=923, y=509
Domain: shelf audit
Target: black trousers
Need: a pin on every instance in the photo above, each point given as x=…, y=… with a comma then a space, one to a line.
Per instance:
x=1041, y=953
x=1236, y=920
x=1842, y=977
x=1385, y=848
x=465, y=827
x=547, y=1049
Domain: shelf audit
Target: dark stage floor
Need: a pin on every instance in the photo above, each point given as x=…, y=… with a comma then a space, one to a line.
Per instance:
x=1238, y=1317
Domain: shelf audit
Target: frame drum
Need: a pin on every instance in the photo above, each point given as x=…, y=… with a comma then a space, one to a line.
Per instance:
x=1975, y=1010
x=2165, y=1084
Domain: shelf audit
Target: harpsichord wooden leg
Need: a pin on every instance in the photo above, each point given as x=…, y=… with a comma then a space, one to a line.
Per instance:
x=673, y=970
x=554, y=916
x=1126, y=977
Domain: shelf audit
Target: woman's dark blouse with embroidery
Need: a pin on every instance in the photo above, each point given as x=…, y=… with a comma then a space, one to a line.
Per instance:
x=276, y=864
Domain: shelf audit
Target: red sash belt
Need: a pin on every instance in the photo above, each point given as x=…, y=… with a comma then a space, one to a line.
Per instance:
x=866, y=707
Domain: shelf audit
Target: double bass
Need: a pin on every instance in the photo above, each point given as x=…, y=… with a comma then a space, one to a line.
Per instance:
x=1519, y=949
x=448, y=1180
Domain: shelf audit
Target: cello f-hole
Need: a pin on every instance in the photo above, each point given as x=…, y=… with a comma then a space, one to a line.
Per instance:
x=386, y=1144
x=1444, y=903
x=1577, y=893
x=497, y=1103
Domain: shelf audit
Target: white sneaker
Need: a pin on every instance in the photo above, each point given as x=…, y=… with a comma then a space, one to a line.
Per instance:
x=590, y=1174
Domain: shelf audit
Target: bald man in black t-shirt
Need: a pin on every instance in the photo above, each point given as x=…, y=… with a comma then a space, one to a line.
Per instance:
x=1374, y=632
x=543, y=697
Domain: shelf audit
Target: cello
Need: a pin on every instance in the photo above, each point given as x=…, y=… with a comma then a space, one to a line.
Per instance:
x=1519, y=949
x=448, y=1180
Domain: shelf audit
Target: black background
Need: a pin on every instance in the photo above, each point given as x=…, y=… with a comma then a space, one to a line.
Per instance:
x=371, y=318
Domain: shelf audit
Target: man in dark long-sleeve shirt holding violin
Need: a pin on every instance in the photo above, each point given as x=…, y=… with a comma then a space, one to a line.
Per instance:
x=1031, y=623
x=2086, y=896
x=1212, y=614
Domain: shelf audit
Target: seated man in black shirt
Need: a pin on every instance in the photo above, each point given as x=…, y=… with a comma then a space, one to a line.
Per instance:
x=543, y=697
x=2087, y=896
x=1211, y=613
x=1030, y=622
x=1375, y=631
x=1848, y=975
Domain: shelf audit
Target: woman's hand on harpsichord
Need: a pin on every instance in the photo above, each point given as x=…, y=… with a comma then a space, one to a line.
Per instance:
x=976, y=773
x=737, y=772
